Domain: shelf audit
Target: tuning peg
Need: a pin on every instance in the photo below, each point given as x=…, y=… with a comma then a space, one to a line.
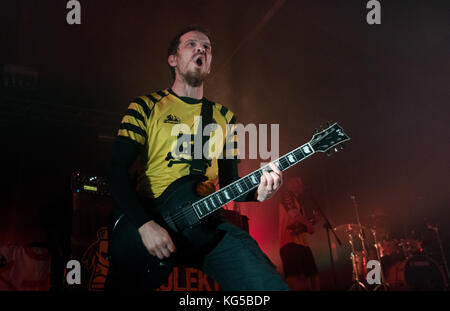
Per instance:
x=336, y=149
x=329, y=152
x=328, y=124
x=342, y=146
x=316, y=131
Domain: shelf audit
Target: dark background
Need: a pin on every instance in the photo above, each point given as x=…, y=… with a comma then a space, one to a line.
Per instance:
x=293, y=63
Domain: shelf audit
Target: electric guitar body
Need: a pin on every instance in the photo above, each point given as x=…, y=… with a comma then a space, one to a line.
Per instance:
x=173, y=211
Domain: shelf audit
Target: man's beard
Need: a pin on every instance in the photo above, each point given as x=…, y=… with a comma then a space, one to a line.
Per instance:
x=195, y=78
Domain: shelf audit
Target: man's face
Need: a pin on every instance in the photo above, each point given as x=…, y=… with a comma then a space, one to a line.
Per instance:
x=193, y=59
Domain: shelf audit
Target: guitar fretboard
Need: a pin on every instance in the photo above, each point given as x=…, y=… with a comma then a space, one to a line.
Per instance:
x=215, y=201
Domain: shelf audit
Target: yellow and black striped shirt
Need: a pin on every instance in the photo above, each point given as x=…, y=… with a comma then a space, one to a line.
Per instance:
x=164, y=125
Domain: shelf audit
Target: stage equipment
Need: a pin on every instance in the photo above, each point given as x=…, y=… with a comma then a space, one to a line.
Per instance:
x=419, y=273
x=443, y=257
x=383, y=286
x=328, y=227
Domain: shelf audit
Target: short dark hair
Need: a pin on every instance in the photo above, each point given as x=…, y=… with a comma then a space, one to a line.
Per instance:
x=175, y=42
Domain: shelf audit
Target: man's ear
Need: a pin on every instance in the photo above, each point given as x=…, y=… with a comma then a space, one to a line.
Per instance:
x=172, y=60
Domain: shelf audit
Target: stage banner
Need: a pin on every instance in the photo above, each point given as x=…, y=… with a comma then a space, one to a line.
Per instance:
x=89, y=239
x=24, y=268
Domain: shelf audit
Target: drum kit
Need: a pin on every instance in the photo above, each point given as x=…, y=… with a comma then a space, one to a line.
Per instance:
x=404, y=263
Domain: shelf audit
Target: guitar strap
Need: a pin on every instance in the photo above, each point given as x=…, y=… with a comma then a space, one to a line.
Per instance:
x=199, y=166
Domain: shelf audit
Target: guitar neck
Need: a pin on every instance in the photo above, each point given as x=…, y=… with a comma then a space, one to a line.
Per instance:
x=215, y=201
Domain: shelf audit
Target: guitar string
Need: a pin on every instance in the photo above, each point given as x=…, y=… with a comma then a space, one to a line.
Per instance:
x=189, y=212
x=296, y=152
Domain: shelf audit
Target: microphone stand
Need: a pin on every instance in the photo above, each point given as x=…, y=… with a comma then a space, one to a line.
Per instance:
x=328, y=227
x=444, y=258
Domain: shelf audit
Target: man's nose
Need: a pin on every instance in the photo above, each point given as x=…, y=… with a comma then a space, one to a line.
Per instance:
x=201, y=49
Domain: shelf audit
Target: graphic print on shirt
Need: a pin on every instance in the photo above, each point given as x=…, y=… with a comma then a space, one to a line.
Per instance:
x=172, y=119
x=189, y=146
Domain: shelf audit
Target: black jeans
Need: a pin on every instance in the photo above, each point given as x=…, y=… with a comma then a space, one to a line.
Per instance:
x=237, y=263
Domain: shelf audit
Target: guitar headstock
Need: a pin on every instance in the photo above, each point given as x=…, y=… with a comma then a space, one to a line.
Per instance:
x=329, y=140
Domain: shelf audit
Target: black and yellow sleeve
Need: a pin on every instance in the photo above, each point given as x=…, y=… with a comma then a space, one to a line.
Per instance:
x=131, y=138
x=134, y=123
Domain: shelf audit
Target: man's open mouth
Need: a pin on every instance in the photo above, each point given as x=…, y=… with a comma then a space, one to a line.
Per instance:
x=199, y=61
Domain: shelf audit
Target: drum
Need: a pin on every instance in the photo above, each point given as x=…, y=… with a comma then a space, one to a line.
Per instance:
x=419, y=273
x=410, y=247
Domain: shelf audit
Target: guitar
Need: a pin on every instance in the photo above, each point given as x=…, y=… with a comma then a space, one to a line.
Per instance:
x=190, y=219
